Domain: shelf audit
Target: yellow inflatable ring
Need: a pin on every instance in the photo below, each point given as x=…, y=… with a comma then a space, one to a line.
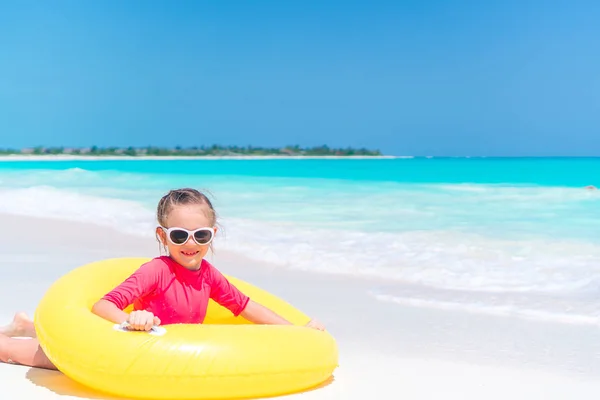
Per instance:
x=226, y=357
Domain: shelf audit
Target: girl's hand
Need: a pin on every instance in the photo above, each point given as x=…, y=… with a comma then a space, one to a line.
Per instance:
x=314, y=324
x=142, y=320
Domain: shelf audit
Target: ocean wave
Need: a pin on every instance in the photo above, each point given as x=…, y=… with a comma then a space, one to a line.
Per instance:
x=438, y=258
x=552, y=313
x=441, y=259
x=49, y=202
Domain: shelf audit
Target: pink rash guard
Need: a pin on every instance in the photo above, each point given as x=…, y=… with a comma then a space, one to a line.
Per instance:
x=175, y=294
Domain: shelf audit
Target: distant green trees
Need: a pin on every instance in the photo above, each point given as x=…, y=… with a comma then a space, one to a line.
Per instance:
x=213, y=150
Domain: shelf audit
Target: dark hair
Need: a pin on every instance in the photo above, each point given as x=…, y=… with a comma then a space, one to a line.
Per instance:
x=183, y=196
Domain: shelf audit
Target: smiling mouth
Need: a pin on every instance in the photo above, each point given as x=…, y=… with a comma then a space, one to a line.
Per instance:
x=189, y=253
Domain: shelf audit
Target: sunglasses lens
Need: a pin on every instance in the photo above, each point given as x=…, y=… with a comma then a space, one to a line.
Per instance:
x=179, y=237
x=203, y=236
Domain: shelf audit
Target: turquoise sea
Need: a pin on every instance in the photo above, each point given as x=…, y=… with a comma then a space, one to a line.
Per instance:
x=511, y=236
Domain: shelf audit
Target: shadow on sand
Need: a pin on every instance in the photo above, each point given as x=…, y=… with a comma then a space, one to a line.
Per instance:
x=60, y=384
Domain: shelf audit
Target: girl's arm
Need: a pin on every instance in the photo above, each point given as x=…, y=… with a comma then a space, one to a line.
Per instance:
x=227, y=295
x=138, y=320
x=108, y=310
x=259, y=314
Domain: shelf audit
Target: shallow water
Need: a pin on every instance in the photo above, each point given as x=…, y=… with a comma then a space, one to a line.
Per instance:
x=516, y=236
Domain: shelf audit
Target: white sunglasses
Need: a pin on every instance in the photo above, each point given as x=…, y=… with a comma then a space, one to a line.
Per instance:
x=179, y=236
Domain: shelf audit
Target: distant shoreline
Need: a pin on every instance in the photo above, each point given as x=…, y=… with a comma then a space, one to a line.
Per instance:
x=62, y=157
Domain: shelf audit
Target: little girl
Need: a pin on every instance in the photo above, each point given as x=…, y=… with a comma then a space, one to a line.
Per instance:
x=166, y=290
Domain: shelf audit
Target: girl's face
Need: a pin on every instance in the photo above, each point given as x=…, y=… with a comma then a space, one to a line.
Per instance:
x=190, y=217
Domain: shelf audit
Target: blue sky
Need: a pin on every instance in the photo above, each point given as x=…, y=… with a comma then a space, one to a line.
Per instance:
x=508, y=78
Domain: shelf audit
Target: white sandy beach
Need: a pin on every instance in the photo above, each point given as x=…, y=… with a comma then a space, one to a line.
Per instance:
x=387, y=351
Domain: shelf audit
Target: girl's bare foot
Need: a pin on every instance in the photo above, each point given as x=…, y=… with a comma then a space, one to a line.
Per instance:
x=21, y=326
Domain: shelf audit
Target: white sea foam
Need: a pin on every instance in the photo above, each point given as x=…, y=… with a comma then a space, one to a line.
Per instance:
x=435, y=258
x=551, y=313
x=49, y=202
x=439, y=259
